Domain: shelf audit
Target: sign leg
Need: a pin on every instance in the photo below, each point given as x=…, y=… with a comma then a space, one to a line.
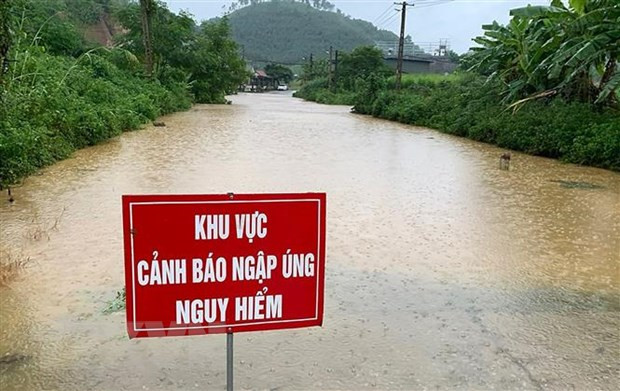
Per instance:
x=229, y=361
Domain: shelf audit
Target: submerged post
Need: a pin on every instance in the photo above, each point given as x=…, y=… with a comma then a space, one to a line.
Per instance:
x=229, y=361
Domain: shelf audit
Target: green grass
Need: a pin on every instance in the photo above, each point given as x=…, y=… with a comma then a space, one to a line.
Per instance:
x=54, y=105
x=116, y=304
x=468, y=106
x=430, y=77
x=424, y=79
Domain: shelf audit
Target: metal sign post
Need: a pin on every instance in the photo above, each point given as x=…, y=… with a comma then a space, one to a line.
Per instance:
x=265, y=252
x=229, y=361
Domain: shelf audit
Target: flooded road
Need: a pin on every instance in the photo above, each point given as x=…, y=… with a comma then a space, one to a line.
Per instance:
x=442, y=271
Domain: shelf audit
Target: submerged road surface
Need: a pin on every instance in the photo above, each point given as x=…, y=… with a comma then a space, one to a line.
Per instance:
x=442, y=271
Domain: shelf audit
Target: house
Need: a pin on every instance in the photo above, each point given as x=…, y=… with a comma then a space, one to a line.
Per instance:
x=422, y=64
x=260, y=81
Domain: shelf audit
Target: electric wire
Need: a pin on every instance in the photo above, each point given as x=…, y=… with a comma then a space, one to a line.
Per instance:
x=382, y=14
x=389, y=20
x=386, y=18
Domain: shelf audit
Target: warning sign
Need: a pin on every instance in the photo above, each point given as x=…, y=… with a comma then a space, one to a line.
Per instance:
x=201, y=264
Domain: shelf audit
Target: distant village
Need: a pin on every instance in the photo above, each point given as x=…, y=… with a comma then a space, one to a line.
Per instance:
x=260, y=81
x=417, y=58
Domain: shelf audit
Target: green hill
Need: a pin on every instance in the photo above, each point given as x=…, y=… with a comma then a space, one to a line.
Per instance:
x=285, y=32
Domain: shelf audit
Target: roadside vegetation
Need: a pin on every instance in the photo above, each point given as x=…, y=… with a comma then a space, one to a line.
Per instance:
x=60, y=92
x=546, y=84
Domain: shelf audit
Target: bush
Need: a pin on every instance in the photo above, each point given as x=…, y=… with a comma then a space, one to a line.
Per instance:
x=332, y=98
x=310, y=90
x=469, y=106
x=60, y=94
x=598, y=145
x=67, y=104
x=366, y=92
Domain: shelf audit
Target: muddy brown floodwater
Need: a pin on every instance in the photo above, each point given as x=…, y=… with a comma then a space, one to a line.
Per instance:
x=443, y=272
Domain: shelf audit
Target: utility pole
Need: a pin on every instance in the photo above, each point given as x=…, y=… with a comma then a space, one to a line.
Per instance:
x=329, y=68
x=147, y=8
x=401, y=43
x=336, y=67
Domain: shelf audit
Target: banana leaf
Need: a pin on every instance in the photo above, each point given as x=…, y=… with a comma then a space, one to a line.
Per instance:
x=613, y=85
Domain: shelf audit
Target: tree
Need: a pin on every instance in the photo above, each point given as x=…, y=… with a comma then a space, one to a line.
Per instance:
x=147, y=8
x=50, y=23
x=453, y=56
x=171, y=34
x=317, y=69
x=362, y=62
x=549, y=50
x=285, y=32
x=217, y=69
x=206, y=56
x=280, y=72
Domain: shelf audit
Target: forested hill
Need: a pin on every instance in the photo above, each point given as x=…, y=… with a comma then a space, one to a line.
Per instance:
x=286, y=32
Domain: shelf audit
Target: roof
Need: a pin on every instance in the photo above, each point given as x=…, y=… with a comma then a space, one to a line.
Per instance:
x=261, y=73
x=412, y=59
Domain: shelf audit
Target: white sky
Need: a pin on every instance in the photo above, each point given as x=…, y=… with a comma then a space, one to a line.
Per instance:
x=427, y=21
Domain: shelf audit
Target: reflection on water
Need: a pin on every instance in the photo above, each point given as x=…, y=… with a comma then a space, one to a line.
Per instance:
x=442, y=270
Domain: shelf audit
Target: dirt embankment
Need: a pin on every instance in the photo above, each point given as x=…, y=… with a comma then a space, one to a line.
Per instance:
x=103, y=31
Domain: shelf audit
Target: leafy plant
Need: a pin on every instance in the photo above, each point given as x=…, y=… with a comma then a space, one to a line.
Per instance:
x=549, y=50
x=207, y=56
x=362, y=62
x=116, y=304
x=467, y=105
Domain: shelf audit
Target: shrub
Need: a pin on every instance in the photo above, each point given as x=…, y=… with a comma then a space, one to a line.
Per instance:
x=310, y=90
x=469, y=106
x=68, y=104
x=60, y=94
x=597, y=145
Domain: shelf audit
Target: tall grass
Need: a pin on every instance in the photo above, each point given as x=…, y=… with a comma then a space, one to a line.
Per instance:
x=51, y=105
x=408, y=80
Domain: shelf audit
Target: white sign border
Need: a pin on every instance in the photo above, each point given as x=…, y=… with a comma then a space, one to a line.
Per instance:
x=224, y=325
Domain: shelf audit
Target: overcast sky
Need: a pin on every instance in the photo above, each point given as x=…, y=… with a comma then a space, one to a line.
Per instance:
x=427, y=21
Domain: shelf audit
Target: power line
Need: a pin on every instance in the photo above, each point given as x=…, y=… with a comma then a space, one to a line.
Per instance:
x=382, y=14
x=434, y=3
x=387, y=16
x=388, y=20
x=385, y=23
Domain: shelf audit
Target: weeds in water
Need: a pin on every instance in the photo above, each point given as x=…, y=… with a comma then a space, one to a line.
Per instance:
x=62, y=213
x=13, y=358
x=117, y=304
x=40, y=231
x=10, y=265
x=577, y=185
x=37, y=233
